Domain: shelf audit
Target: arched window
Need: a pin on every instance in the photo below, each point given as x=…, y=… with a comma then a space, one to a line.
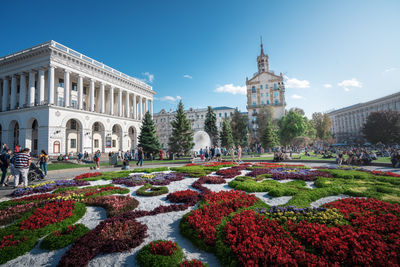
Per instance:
x=56, y=147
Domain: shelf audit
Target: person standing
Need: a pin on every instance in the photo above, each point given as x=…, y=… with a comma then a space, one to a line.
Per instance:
x=5, y=163
x=22, y=162
x=17, y=148
x=43, y=159
x=239, y=153
x=96, y=159
x=140, y=157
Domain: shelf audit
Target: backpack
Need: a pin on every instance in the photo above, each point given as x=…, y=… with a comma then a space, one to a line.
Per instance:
x=42, y=159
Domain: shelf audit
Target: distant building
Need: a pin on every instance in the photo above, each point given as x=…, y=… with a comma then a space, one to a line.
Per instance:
x=197, y=118
x=347, y=122
x=265, y=89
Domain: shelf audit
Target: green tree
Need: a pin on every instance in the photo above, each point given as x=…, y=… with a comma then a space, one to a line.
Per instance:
x=291, y=125
x=181, y=139
x=322, y=124
x=239, y=128
x=269, y=138
x=148, y=139
x=226, y=135
x=264, y=115
x=311, y=132
x=210, y=125
x=382, y=126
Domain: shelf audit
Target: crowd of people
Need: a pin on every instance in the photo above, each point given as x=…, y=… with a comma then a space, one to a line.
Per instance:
x=17, y=164
x=215, y=153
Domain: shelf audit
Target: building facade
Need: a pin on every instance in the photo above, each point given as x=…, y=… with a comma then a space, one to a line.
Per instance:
x=265, y=89
x=59, y=100
x=347, y=123
x=197, y=118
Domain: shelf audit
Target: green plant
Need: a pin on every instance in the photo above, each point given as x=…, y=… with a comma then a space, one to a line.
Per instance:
x=146, y=258
x=154, y=190
x=150, y=170
x=64, y=237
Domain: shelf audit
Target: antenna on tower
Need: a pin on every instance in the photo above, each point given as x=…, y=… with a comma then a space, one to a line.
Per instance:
x=262, y=49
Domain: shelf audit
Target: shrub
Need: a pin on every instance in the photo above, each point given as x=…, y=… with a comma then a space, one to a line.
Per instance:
x=160, y=253
x=64, y=237
x=154, y=190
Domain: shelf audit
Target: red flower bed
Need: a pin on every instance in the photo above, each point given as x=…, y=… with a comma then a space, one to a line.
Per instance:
x=214, y=164
x=36, y=197
x=191, y=263
x=187, y=196
x=94, y=191
x=10, y=241
x=212, y=180
x=229, y=173
x=52, y=212
x=385, y=173
x=221, y=204
x=87, y=175
x=164, y=248
x=258, y=241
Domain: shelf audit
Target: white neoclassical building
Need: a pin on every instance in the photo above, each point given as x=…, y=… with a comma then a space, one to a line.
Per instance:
x=57, y=99
x=347, y=122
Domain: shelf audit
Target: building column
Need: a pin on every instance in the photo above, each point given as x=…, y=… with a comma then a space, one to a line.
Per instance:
x=127, y=104
x=134, y=110
x=91, y=95
x=13, y=98
x=112, y=100
x=66, y=89
x=140, y=108
x=120, y=102
x=151, y=107
x=41, y=86
x=5, y=94
x=80, y=91
x=50, y=80
x=22, y=89
x=31, y=93
x=102, y=102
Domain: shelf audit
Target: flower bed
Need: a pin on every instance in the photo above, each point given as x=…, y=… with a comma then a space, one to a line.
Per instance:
x=228, y=173
x=188, y=196
x=160, y=253
x=150, y=190
x=205, y=219
x=10, y=214
x=114, y=205
x=51, y=213
x=153, y=179
x=64, y=237
x=87, y=175
x=46, y=187
x=192, y=263
x=290, y=173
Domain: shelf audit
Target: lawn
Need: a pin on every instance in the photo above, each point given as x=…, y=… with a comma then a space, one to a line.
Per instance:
x=264, y=214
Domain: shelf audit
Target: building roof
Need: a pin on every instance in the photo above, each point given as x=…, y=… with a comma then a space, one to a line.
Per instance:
x=222, y=107
x=365, y=103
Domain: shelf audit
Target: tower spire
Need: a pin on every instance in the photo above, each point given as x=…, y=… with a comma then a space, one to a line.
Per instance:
x=262, y=49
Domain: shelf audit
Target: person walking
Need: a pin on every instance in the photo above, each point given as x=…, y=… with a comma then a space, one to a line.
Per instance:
x=22, y=162
x=239, y=153
x=5, y=163
x=96, y=159
x=43, y=159
x=140, y=157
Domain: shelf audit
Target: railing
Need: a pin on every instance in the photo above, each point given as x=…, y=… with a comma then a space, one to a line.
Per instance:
x=81, y=56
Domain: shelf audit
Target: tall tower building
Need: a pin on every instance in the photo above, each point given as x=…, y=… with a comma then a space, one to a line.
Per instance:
x=265, y=89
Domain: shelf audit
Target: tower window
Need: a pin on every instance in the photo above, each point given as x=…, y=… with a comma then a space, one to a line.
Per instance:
x=253, y=89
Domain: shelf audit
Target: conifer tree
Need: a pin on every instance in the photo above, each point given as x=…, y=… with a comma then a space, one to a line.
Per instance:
x=239, y=128
x=226, y=135
x=181, y=139
x=269, y=138
x=210, y=126
x=148, y=139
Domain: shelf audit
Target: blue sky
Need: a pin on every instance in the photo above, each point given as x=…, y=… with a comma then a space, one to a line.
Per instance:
x=334, y=53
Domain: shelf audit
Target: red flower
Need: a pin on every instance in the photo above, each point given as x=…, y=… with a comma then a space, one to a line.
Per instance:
x=165, y=248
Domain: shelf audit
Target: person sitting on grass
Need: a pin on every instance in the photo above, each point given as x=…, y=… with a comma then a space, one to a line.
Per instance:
x=340, y=158
x=125, y=164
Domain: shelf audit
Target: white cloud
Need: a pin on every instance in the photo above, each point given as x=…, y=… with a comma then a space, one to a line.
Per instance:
x=170, y=98
x=389, y=70
x=327, y=85
x=296, y=83
x=346, y=84
x=297, y=96
x=187, y=76
x=230, y=88
x=150, y=77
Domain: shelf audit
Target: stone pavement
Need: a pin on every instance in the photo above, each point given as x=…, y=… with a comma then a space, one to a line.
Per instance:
x=71, y=173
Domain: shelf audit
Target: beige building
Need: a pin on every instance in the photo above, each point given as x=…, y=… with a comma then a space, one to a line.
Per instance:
x=347, y=122
x=197, y=118
x=264, y=89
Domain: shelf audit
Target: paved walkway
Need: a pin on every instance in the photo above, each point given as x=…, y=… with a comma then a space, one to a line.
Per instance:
x=71, y=173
